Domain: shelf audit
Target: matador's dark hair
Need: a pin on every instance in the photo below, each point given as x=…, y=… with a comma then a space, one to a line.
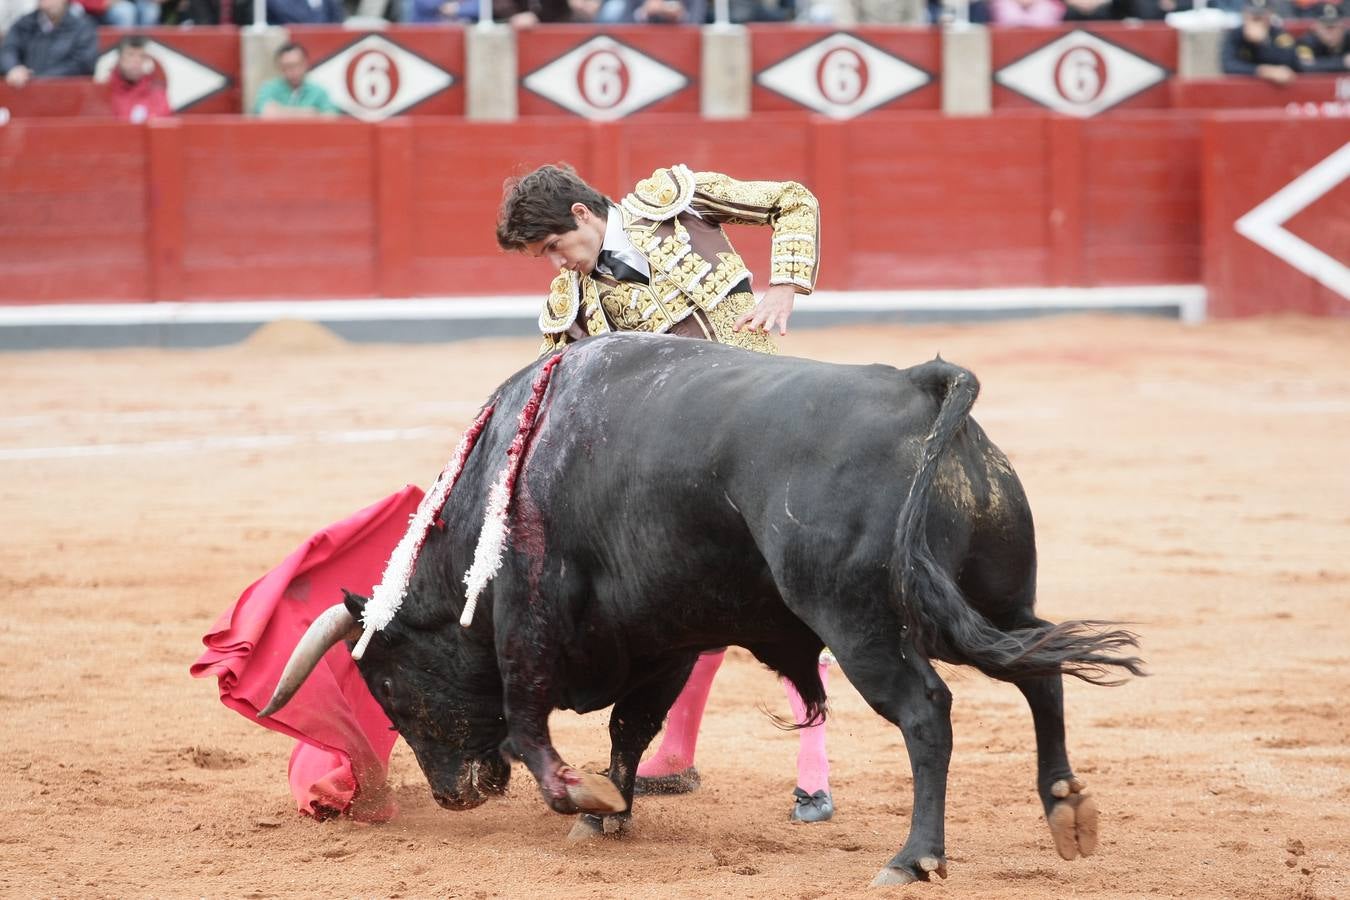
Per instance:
x=540, y=203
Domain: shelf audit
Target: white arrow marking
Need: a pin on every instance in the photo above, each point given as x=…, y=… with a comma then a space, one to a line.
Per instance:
x=1264, y=225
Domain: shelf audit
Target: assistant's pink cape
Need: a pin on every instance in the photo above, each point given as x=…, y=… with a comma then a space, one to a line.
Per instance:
x=340, y=762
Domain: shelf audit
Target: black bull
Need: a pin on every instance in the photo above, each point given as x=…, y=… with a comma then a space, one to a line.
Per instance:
x=679, y=495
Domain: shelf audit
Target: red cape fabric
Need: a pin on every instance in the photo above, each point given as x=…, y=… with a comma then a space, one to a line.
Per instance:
x=341, y=760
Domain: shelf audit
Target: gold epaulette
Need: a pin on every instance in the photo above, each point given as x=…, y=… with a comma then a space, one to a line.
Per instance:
x=560, y=309
x=666, y=194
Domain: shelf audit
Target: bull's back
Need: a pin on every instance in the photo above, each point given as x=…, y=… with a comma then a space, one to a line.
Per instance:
x=710, y=436
x=659, y=460
x=643, y=382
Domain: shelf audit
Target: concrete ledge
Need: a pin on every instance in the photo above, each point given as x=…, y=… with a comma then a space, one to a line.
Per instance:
x=436, y=320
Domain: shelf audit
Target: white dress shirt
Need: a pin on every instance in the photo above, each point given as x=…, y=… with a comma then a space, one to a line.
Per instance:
x=616, y=240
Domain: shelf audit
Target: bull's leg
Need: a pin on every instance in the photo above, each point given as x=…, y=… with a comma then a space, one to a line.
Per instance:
x=1071, y=813
x=528, y=704
x=903, y=688
x=633, y=723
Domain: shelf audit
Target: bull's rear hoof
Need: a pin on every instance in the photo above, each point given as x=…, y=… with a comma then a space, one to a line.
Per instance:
x=1073, y=820
x=594, y=793
x=590, y=827
x=889, y=876
x=926, y=866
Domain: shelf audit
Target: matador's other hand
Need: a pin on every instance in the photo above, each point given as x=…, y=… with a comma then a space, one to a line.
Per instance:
x=774, y=308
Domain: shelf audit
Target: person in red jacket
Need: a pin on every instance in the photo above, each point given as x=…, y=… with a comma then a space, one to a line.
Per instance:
x=134, y=92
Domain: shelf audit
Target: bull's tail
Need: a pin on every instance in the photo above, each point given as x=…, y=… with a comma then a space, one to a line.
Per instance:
x=939, y=621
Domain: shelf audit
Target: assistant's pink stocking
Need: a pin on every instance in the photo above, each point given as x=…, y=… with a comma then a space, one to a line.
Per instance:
x=813, y=766
x=676, y=752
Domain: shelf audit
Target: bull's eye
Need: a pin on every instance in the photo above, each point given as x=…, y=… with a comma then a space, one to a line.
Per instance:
x=387, y=685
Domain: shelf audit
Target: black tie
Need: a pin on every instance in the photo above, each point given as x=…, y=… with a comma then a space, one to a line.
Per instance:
x=621, y=270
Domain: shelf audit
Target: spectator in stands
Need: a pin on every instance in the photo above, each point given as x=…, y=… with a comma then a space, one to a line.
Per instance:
x=426, y=12
x=1026, y=12
x=1303, y=9
x=1096, y=10
x=1326, y=46
x=293, y=95
x=1260, y=47
x=212, y=12
x=944, y=13
x=520, y=13
x=305, y=12
x=53, y=40
x=12, y=10
x=123, y=13
x=653, y=12
x=135, y=93
x=1158, y=9
x=743, y=11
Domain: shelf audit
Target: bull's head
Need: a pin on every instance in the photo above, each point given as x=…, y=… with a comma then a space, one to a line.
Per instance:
x=439, y=687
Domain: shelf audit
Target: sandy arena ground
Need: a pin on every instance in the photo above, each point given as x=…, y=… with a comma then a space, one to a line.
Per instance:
x=1192, y=480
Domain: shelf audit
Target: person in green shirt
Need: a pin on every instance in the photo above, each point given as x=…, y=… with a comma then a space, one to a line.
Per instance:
x=291, y=96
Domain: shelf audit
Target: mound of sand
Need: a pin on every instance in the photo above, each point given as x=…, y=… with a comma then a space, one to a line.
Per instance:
x=294, y=336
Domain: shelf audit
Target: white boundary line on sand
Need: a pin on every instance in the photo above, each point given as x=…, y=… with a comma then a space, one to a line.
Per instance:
x=1188, y=298
x=221, y=442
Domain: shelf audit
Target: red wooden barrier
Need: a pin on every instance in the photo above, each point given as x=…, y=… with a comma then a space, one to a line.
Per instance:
x=213, y=207
x=1254, y=93
x=966, y=208
x=56, y=98
x=1277, y=214
x=73, y=217
x=452, y=212
x=272, y=210
x=1141, y=200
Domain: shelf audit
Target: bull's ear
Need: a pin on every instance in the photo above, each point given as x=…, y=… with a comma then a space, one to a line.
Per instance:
x=355, y=603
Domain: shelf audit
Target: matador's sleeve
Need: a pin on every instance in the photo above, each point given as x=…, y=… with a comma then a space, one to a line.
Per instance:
x=559, y=312
x=788, y=207
x=571, y=312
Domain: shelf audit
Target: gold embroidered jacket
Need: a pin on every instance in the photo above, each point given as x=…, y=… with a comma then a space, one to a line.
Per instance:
x=674, y=219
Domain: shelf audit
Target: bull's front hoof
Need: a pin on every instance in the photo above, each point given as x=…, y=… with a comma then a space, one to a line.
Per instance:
x=1073, y=819
x=590, y=827
x=926, y=867
x=593, y=793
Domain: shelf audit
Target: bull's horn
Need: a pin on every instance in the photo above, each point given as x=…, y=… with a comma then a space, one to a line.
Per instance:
x=332, y=625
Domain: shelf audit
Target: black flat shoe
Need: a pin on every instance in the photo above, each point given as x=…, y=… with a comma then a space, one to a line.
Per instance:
x=679, y=783
x=817, y=807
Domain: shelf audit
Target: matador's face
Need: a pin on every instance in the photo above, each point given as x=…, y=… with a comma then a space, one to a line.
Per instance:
x=577, y=249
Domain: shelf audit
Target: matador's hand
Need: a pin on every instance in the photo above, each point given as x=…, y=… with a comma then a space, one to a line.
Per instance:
x=774, y=308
